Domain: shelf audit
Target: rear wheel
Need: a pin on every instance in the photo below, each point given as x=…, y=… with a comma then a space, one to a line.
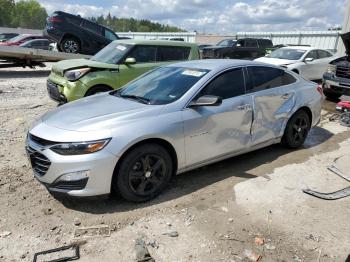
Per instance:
x=143, y=173
x=70, y=45
x=97, y=89
x=296, y=130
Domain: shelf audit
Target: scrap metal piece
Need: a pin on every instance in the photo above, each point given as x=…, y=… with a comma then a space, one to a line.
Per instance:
x=338, y=172
x=85, y=232
x=76, y=255
x=329, y=196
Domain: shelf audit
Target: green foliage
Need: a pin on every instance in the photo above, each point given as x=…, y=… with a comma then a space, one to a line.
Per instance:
x=133, y=25
x=25, y=14
x=29, y=14
x=6, y=9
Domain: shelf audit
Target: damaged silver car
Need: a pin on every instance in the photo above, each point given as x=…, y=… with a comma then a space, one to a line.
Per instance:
x=168, y=121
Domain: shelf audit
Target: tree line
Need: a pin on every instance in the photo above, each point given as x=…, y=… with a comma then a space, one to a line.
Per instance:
x=133, y=25
x=30, y=14
x=25, y=14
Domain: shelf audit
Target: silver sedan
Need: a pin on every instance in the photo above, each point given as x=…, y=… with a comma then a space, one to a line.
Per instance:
x=168, y=121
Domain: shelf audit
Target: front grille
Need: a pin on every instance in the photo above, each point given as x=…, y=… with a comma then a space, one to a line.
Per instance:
x=54, y=92
x=39, y=162
x=343, y=72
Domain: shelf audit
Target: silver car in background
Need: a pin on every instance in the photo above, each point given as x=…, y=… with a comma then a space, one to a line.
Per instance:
x=168, y=121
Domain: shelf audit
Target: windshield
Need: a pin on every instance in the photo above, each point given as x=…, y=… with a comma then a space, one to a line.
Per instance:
x=112, y=53
x=17, y=38
x=163, y=85
x=286, y=53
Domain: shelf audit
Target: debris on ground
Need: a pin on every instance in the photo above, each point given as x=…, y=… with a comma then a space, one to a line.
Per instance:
x=77, y=222
x=173, y=233
x=259, y=241
x=100, y=230
x=269, y=247
x=5, y=233
x=252, y=256
x=142, y=253
x=73, y=249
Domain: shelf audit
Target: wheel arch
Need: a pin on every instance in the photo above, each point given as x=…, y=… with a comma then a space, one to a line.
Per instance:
x=307, y=110
x=97, y=85
x=159, y=141
x=67, y=35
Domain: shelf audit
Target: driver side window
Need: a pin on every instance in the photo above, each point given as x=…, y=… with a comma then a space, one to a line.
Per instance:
x=228, y=84
x=144, y=54
x=312, y=54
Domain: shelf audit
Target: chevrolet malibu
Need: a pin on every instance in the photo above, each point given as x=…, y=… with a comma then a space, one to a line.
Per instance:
x=168, y=121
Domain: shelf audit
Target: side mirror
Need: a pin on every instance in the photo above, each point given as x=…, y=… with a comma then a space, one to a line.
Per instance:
x=309, y=59
x=207, y=101
x=130, y=61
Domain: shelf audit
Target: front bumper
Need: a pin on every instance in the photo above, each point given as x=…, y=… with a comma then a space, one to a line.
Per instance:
x=62, y=91
x=334, y=84
x=99, y=166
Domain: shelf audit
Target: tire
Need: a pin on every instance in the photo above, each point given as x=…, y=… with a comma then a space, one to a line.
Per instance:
x=70, y=45
x=297, y=129
x=331, y=95
x=143, y=173
x=97, y=89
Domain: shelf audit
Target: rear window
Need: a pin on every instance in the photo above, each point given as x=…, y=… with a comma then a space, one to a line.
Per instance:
x=263, y=78
x=170, y=53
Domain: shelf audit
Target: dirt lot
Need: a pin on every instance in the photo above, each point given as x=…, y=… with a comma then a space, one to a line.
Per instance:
x=238, y=209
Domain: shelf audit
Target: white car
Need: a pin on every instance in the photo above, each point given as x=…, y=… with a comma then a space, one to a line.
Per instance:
x=309, y=62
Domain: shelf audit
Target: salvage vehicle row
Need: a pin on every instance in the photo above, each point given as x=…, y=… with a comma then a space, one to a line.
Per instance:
x=172, y=119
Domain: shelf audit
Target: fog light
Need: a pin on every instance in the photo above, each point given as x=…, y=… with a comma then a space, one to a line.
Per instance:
x=74, y=176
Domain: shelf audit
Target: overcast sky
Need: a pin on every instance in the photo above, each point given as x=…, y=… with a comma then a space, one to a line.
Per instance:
x=221, y=16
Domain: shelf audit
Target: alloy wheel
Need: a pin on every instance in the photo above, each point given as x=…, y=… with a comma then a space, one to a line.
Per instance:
x=70, y=46
x=147, y=174
x=300, y=129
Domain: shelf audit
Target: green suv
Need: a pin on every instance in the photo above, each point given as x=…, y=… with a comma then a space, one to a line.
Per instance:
x=114, y=66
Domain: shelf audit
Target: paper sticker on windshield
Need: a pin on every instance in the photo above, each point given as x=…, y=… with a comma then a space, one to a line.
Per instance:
x=121, y=47
x=193, y=73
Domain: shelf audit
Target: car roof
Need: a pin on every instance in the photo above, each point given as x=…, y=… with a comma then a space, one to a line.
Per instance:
x=155, y=42
x=217, y=64
x=306, y=48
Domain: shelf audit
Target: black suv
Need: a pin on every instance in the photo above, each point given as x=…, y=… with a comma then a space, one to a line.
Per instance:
x=245, y=48
x=75, y=34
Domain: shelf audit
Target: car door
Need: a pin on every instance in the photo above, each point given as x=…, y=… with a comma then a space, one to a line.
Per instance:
x=324, y=58
x=271, y=102
x=309, y=69
x=94, y=36
x=145, y=57
x=214, y=131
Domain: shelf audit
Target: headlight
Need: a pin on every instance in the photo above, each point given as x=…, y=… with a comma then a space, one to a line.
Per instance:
x=80, y=148
x=331, y=69
x=73, y=75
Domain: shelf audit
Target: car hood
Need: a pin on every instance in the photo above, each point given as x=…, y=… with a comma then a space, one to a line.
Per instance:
x=275, y=61
x=62, y=66
x=103, y=111
x=346, y=40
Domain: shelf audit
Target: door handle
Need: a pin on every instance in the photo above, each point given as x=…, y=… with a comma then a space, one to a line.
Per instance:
x=285, y=96
x=244, y=107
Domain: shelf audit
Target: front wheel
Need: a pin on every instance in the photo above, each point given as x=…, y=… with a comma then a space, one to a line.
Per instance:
x=70, y=45
x=143, y=173
x=296, y=130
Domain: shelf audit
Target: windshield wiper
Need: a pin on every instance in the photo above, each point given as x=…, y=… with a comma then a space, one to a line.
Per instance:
x=138, y=98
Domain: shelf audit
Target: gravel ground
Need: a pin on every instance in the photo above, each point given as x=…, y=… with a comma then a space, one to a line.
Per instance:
x=217, y=213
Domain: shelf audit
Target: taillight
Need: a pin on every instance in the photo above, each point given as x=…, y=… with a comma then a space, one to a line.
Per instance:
x=54, y=19
x=320, y=89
